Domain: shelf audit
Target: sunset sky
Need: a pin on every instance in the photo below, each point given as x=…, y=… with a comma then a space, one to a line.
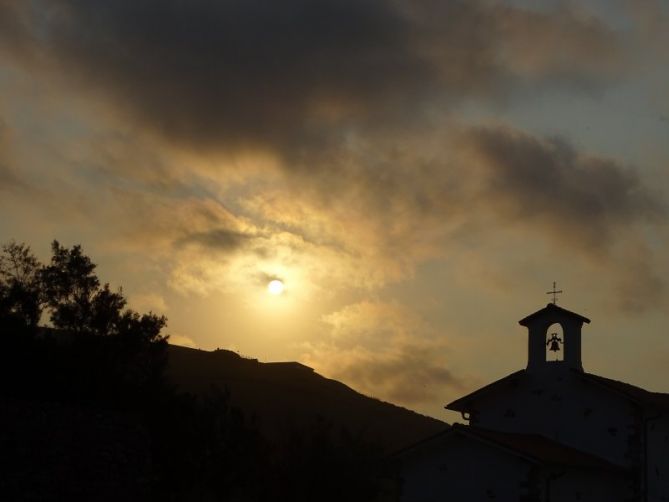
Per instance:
x=417, y=173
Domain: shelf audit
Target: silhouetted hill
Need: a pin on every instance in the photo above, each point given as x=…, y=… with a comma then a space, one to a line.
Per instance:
x=285, y=396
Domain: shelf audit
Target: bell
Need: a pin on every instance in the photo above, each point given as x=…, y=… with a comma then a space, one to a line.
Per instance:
x=555, y=346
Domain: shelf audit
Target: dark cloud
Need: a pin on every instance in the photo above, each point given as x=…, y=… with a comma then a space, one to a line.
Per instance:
x=235, y=73
x=10, y=180
x=402, y=371
x=297, y=74
x=567, y=46
x=410, y=376
x=546, y=182
x=639, y=285
x=224, y=240
x=14, y=32
x=385, y=350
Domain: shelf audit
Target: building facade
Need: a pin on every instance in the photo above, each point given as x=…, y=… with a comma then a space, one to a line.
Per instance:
x=549, y=432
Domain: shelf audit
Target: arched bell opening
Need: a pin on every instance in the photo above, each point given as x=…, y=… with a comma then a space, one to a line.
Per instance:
x=555, y=343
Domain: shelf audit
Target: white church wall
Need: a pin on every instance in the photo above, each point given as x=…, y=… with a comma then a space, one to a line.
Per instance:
x=571, y=485
x=559, y=406
x=657, y=467
x=462, y=469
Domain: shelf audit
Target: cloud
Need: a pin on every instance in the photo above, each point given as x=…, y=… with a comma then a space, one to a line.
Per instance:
x=346, y=106
x=300, y=76
x=544, y=182
x=14, y=30
x=405, y=201
x=595, y=208
x=639, y=282
x=173, y=223
x=568, y=45
x=233, y=74
x=367, y=215
x=384, y=350
x=219, y=238
x=183, y=341
x=651, y=18
x=11, y=180
x=153, y=302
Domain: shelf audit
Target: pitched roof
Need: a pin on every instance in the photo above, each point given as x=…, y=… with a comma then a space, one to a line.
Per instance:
x=551, y=308
x=636, y=394
x=531, y=447
x=463, y=404
x=538, y=448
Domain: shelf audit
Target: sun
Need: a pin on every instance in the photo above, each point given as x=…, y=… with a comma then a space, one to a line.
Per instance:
x=275, y=287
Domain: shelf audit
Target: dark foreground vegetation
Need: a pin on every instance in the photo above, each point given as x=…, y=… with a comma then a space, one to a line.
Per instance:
x=86, y=412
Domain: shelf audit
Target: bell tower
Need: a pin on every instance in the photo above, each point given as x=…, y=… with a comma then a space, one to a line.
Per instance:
x=539, y=338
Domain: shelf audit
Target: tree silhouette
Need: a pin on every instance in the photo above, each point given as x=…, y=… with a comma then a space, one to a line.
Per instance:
x=112, y=354
x=20, y=289
x=72, y=291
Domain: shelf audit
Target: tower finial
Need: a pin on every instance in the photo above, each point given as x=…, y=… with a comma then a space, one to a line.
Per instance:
x=554, y=292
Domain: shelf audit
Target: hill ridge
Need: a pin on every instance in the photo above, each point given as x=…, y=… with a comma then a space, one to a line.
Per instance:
x=285, y=394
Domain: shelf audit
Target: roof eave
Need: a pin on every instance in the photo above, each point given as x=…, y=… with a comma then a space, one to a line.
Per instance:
x=463, y=404
x=525, y=320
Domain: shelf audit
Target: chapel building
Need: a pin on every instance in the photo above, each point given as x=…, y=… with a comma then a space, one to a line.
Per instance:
x=548, y=433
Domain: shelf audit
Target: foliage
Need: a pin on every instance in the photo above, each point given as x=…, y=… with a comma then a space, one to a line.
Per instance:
x=71, y=290
x=110, y=350
x=80, y=305
x=20, y=288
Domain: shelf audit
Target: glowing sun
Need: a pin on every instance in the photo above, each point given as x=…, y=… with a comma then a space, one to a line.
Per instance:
x=275, y=287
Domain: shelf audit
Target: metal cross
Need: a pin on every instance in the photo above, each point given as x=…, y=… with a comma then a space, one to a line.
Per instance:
x=555, y=292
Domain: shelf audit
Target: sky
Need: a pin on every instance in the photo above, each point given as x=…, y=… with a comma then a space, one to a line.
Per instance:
x=416, y=173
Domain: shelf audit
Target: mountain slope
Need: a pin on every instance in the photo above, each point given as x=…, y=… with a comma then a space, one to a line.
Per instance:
x=286, y=396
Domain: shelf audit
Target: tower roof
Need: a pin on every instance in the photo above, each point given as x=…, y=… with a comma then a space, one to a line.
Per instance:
x=552, y=310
